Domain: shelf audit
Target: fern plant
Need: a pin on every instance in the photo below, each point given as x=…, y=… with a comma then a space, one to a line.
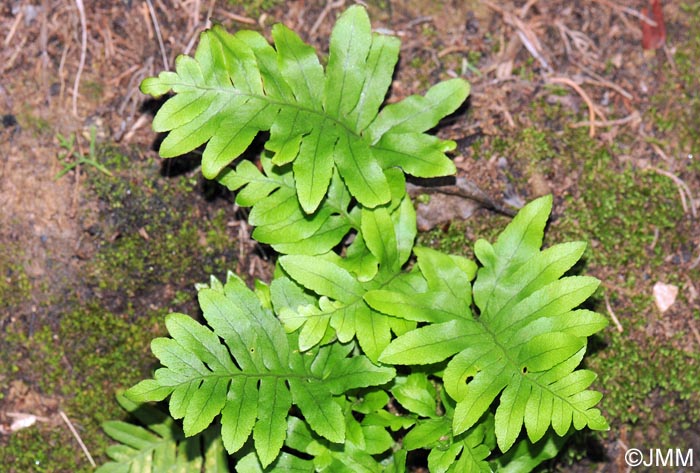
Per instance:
x=363, y=347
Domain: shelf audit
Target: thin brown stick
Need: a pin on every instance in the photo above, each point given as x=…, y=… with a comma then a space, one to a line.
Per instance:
x=13, y=29
x=61, y=72
x=165, y=9
x=691, y=324
x=597, y=79
x=610, y=85
x=193, y=20
x=620, y=121
x=8, y=65
x=527, y=37
x=526, y=8
x=77, y=437
x=462, y=188
x=156, y=26
x=614, y=318
x=326, y=10
x=683, y=189
x=457, y=48
x=592, y=109
x=83, y=53
x=628, y=11
x=237, y=18
x=533, y=48
x=76, y=193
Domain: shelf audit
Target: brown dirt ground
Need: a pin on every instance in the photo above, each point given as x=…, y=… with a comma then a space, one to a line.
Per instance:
x=40, y=56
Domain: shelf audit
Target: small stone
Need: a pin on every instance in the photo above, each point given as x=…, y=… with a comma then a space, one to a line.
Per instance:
x=664, y=295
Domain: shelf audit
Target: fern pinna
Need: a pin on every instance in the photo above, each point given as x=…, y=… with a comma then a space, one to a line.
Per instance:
x=362, y=348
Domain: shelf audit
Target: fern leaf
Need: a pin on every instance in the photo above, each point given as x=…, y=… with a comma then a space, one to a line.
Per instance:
x=416, y=393
x=160, y=444
x=525, y=456
x=368, y=445
x=251, y=378
x=524, y=345
x=279, y=218
x=466, y=452
x=388, y=238
x=320, y=121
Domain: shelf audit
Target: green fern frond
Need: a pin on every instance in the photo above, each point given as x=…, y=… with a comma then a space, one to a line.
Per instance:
x=253, y=377
x=357, y=455
x=238, y=85
x=387, y=239
x=160, y=445
x=524, y=344
x=277, y=215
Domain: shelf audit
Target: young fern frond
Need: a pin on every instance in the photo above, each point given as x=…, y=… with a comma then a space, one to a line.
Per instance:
x=254, y=376
x=160, y=445
x=278, y=217
x=320, y=121
x=433, y=431
x=387, y=239
x=524, y=344
x=359, y=453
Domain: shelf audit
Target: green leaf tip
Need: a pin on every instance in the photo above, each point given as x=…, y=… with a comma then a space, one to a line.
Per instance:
x=320, y=120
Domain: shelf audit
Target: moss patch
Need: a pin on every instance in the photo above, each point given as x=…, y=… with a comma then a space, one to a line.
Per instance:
x=161, y=234
x=150, y=241
x=89, y=357
x=15, y=286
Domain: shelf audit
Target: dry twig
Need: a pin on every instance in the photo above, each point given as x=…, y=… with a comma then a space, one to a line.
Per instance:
x=77, y=437
x=13, y=29
x=237, y=18
x=683, y=189
x=582, y=43
x=631, y=118
x=152, y=11
x=83, y=53
x=614, y=318
x=628, y=11
x=592, y=109
x=611, y=85
x=326, y=10
x=691, y=324
x=526, y=35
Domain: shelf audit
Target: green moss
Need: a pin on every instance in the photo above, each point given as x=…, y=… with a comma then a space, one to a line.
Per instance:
x=675, y=107
x=161, y=236
x=255, y=7
x=93, y=89
x=416, y=62
x=459, y=236
x=29, y=119
x=83, y=361
x=15, y=285
x=43, y=449
x=532, y=144
x=154, y=237
x=650, y=384
x=622, y=211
